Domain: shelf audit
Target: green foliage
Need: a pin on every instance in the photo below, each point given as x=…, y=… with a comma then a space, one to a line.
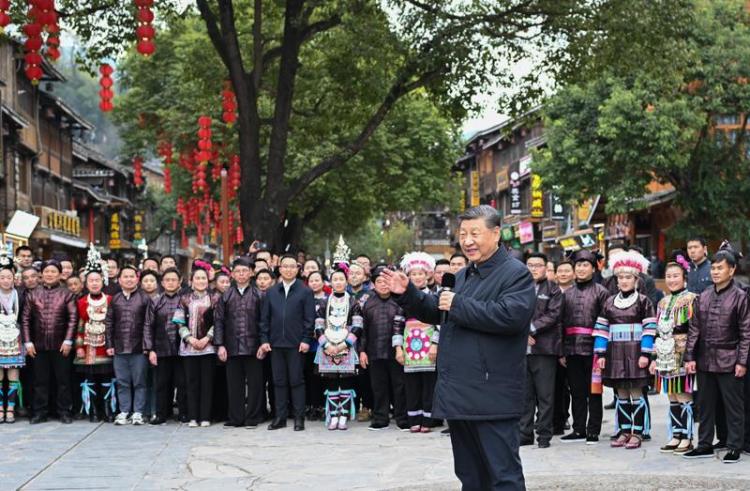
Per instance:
x=380, y=243
x=624, y=128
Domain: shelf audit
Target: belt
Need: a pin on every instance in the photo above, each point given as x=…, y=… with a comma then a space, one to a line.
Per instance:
x=578, y=331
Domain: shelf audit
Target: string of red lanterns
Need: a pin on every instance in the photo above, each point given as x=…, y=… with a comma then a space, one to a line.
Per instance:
x=229, y=105
x=144, y=30
x=4, y=17
x=105, y=93
x=137, y=171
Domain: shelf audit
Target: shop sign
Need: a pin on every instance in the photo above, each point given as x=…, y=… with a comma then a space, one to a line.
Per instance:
x=537, y=196
x=502, y=180
x=515, y=193
x=474, y=188
x=526, y=232
x=569, y=243
x=138, y=226
x=524, y=165
x=550, y=233
x=66, y=222
x=114, y=232
x=556, y=207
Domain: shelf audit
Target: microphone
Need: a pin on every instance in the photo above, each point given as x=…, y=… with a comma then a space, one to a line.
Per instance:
x=448, y=283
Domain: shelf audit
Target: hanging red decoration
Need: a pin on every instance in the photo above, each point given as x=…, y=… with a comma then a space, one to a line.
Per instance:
x=204, y=139
x=144, y=31
x=106, y=94
x=32, y=46
x=138, y=171
x=165, y=151
x=4, y=17
x=229, y=105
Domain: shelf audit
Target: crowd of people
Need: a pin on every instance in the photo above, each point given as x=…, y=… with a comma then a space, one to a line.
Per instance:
x=276, y=338
x=271, y=338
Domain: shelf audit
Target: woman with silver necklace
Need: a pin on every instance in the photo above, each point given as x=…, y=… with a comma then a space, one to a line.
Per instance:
x=624, y=343
x=12, y=353
x=337, y=328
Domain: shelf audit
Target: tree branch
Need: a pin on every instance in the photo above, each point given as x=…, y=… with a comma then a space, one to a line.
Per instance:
x=213, y=32
x=88, y=11
x=397, y=91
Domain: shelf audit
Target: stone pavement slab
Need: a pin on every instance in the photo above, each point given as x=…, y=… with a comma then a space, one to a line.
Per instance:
x=103, y=456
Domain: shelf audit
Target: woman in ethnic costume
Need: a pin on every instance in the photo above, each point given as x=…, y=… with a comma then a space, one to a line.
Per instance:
x=12, y=352
x=673, y=318
x=624, y=341
x=337, y=328
x=413, y=347
x=91, y=362
x=194, y=315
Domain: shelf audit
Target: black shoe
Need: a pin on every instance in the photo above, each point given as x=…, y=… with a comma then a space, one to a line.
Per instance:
x=720, y=445
x=299, y=424
x=183, y=418
x=543, y=444
x=277, y=424
x=377, y=426
x=66, y=419
x=526, y=442
x=157, y=421
x=558, y=432
x=610, y=406
x=403, y=427
x=38, y=419
x=592, y=439
x=446, y=431
x=731, y=457
x=699, y=453
x=646, y=438
x=573, y=438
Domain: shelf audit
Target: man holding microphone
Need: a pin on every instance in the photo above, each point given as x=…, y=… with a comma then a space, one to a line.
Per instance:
x=482, y=362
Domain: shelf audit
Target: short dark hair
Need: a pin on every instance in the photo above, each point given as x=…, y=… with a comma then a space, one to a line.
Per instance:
x=151, y=258
x=125, y=268
x=149, y=272
x=320, y=273
x=24, y=248
x=537, y=255
x=172, y=270
x=167, y=256
x=459, y=254
x=490, y=215
x=697, y=238
x=364, y=256
x=444, y=262
x=266, y=271
x=724, y=255
x=29, y=268
x=564, y=261
x=288, y=256
x=311, y=260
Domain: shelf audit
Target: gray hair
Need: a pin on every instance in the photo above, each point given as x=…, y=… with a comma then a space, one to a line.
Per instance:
x=490, y=215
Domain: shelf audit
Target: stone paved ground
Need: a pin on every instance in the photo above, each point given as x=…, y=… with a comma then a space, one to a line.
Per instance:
x=90, y=456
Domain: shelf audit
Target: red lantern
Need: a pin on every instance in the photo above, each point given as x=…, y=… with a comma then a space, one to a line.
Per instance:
x=229, y=105
x=138, y=171
x=204, y=139
x=144, y=30
x=106, y=94
x=4, y=17
x=167, y=179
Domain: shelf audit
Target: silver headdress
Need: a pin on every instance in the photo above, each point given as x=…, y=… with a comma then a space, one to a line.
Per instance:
x=94, y=264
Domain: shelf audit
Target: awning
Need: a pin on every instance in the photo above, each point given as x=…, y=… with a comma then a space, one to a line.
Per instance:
x=15, y=117
x=101, y=197
x=69, y=241
x=582, y=239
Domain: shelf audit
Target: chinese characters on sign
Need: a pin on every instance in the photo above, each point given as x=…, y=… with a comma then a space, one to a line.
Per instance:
x=138, y=233
x=556, y=207
x=114, y=232
x=537, y=197
x=515, y=193
x=474, y=188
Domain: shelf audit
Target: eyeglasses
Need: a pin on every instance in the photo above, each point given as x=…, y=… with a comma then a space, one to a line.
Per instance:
x=536, y=266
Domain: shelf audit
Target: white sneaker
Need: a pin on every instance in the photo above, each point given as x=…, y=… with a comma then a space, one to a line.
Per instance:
x=334, y=424
x=193, y=424
x=137, y=419
x=205, y=424
x=121, y=419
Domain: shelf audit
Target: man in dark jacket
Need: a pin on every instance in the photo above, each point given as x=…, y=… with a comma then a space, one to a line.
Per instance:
x=543, y=352
x=481, y=364
x=581, y=306
x=126, y=316
x=382, y=318
x=699, y=276
x=236, y=333
x=49, y=319
x=286, y=330
x=161, y=340
x=717, y=349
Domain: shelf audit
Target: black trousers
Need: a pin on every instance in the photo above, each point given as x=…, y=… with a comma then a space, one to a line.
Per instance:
x=485, y=454
x=420, y=388
x=386, y=378
x=562, y=399
x=288, y=366
x=363, y=387
x=166, y=373
x=244, y=390
x=540, y=395
x=220, y=408
x=313, y=385
x=731, y=391
x=52, y=363
x=584, y=402
x=199, y=381
x=269, y=400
